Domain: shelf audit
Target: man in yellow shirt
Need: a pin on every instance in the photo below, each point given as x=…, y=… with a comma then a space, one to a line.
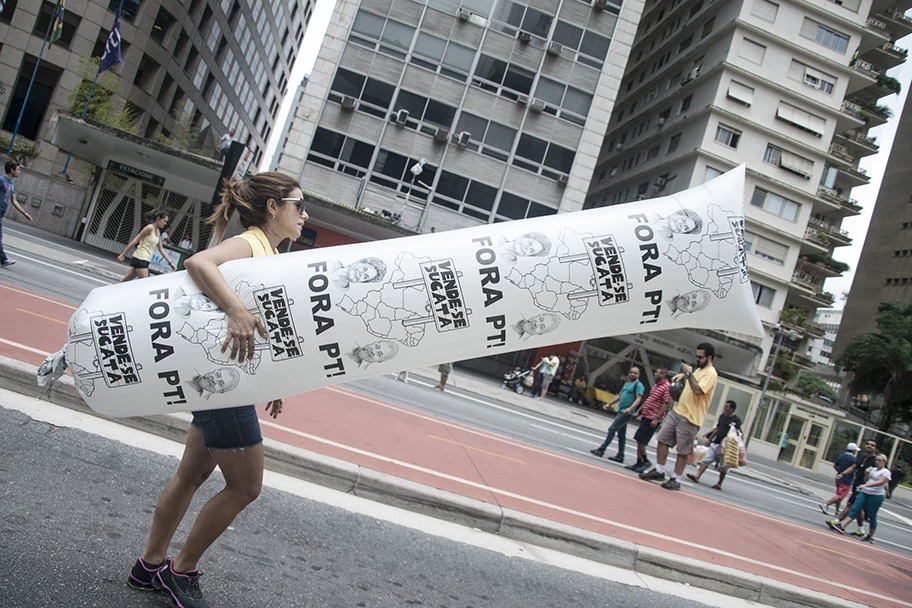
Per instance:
x=684, y=421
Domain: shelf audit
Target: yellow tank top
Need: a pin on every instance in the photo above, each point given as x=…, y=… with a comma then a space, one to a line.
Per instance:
x=146, y=246
x=259, y=244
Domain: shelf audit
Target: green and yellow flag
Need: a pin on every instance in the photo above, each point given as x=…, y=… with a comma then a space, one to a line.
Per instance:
x=57, y=23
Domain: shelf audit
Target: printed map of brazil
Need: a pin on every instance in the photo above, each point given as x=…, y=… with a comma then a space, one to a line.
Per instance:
x=712, y=261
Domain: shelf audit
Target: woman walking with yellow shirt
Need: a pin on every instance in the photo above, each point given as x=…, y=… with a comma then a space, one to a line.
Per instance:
x=145, y=243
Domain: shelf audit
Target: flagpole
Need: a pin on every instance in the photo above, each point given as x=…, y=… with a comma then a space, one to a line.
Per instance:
x=91, y=92
x=28, y=91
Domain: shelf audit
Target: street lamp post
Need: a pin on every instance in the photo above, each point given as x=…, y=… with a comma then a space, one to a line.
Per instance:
x=793, y=335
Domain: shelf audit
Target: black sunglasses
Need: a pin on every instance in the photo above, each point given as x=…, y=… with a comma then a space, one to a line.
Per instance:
x=299, y=203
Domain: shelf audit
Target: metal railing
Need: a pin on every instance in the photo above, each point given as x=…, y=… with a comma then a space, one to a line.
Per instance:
x=842, y=153
x=828, y=228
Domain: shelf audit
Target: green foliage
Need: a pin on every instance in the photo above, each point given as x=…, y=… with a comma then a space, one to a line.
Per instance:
x=794, y=316
x=889, y=82
x=185, y=134
x=101, y=107
x=820, y=258
x=881, y=363
x=127, y=120
x=163, y=139
x=24, y=150
x=812, y=386
x=785, y=369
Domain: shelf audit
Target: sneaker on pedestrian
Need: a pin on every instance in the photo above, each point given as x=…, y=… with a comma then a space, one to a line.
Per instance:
x=672, y=484
x=859, y=532
x=635, y=466
x=652, y=475
x=823, y=508
x=597, y=452
x=835, y=526
x=7, y=263
x=693, y=478
x=643, y=466
x=142, y=575
x=617, y=458
x=182, y=589
x=868, y=539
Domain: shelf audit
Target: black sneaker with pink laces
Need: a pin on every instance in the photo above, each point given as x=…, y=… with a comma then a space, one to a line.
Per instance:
x=182, y=588
x=141, y=575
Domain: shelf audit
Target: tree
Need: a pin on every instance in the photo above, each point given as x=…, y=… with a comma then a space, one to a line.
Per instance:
x=813, y=386
x=101, y=106
x=881, y=363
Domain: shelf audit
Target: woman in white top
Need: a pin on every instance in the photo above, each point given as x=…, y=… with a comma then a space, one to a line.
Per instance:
x=870, y=497
x=145, y=242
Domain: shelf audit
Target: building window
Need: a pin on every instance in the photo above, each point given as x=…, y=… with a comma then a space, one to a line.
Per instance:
x=789, y=161
x=763, y=295
x=340, y=152
x=70, y=23
x=707, y=28
x=740, y=93
x=652, y=153
x=728, y=136
x=7, y=10
x=180, y=44
x=45, y=82
x=592, y=48
x=425, y=115
x=795, y=116
x=513, y=207
x=711, y=173
x=446, y=57
x=752, y=51
x=829, y=38
x=488, y=137
x=819, y=80
x=386, y=35
x=766, y=248
x=673, y=143
x=563, y=100
x=775, y=204
x=685, y=104
x=685, y=44
x=374, y=95
x=161, y=26
x=511, y=17
x=467, y=196
x=129, y=11
x=766, y=10
x=502, y=78
x=393, y=170
x=146, y=73
x=548, y=158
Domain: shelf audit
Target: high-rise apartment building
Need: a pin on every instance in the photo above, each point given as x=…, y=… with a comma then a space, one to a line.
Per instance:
x=821, y=349
x=200, y=66
x=456, y=113
x=884, y=271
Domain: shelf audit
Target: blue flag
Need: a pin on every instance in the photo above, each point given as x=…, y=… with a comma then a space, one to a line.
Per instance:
x=112, y=55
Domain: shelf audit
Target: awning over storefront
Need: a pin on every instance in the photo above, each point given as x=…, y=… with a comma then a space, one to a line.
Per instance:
x=358, y=224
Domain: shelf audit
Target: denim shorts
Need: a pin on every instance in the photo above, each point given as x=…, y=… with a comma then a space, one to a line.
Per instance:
x=234, y=428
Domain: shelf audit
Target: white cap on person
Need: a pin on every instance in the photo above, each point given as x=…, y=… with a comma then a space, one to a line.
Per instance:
x=852, y=447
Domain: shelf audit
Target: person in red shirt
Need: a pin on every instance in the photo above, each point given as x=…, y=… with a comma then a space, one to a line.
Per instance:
x=652, y=413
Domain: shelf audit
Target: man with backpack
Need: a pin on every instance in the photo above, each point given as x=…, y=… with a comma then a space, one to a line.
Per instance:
x=628, y=401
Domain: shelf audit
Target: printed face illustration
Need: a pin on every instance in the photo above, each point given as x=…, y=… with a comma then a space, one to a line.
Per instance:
x=221, y=380
x=201, y=303
x=541, y=324
x=681, y=223
x=376, y=352
x=528, y=246
x=362, y=272
x=692, y=301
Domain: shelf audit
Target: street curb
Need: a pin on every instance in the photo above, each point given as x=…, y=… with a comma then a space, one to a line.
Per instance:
x=338, y=474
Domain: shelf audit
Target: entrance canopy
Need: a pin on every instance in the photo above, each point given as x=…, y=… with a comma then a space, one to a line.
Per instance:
x=356, y=223
x=183, y=172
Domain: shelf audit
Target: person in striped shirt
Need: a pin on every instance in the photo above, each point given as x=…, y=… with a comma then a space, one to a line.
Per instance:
x=652, y=413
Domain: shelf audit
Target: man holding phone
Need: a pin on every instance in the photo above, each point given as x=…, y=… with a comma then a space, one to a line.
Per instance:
x=685, y=419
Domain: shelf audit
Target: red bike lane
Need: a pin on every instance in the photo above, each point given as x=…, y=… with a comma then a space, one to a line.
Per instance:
x=382, y=436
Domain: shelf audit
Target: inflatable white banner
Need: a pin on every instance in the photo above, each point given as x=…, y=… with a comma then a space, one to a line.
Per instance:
x=348, y=312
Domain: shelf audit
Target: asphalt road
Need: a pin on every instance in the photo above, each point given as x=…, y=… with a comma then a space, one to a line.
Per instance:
x=75, y=509
x=48, y=276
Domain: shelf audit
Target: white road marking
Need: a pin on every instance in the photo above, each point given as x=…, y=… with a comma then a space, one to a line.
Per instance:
x=567, y=435
x=107, y=429
x=62, y=269
x=24, y=347
x=36, y=296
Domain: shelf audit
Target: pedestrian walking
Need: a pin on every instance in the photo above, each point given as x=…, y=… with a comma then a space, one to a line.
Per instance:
x=845, y=466
x=271, y=207
x=145, y=243
x=859, y=470
x=445, y=370
x=225, y=145
x=548, y=366
x=12, y=169
x=628, y=400
x=651, y=413
x=714, y=439
x=684, y=421
x=871, y=496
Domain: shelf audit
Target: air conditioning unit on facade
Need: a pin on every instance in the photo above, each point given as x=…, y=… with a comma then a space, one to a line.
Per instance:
x=348, y=102
x=555, y=48
x=401, y=117
x=441, y=135
x=462, y=140
x=522, y=100
x=600, y=5
x=462, y=14
x=660, y=182
x=562, y=179
x=660, y=121
x=524, y=36
x=537, y=105
x=619, y=147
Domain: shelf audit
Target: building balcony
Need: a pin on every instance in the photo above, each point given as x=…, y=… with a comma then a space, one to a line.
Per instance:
x=853, y=176
x=897, y=24
x=876, y=33
x=879, y=5
x=852, y=116
x=818, y=240
x=882, y=87
x=860, y=145
x=842, y=155
x=840, y=203
x=886, y=56
x=836, y=236
x=863, y=75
